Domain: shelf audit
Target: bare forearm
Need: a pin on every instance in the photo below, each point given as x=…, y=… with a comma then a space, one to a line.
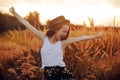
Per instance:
x=29, y=26
x=81, y=38
x=89, y=37
x=24, y=22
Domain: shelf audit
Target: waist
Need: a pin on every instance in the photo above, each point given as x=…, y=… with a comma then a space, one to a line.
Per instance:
x=52, y=63
x=54, y=67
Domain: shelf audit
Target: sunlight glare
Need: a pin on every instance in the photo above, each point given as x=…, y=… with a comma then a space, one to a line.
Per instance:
x=101, y=14
x=23, y=9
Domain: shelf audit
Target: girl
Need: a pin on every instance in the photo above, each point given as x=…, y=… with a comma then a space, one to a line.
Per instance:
x=54, y=42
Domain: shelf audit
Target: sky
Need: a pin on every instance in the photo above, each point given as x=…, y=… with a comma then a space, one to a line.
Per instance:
x=77, y=11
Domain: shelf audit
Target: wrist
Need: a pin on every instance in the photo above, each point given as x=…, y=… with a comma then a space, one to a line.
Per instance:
x=14, y=13
x=97, y=35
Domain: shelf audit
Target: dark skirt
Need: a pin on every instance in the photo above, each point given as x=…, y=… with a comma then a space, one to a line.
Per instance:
x=57, y=73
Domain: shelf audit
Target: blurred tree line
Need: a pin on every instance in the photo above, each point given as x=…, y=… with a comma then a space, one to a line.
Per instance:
x=9, y=22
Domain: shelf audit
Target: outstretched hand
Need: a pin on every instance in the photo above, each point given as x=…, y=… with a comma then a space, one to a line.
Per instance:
x=12, y=10
x=100, y=34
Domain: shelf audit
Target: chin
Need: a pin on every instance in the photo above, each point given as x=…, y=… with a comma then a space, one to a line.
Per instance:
x=58, y=39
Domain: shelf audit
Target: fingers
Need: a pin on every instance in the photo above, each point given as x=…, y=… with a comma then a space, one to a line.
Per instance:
x=100, y=33
x=12, y=10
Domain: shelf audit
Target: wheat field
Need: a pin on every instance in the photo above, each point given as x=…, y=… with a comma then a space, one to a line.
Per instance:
x=97, y=59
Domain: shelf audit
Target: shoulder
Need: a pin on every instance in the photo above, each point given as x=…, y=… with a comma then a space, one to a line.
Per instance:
x=44, y=38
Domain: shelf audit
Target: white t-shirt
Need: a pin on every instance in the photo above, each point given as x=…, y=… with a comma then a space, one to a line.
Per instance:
x=52, y=54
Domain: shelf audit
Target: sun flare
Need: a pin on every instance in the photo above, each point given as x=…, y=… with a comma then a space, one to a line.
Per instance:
x=102, y=13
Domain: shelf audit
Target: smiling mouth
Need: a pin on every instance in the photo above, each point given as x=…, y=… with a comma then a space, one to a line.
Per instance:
x=62, y=37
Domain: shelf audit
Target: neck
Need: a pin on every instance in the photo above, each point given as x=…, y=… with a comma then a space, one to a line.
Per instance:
x=53, y=39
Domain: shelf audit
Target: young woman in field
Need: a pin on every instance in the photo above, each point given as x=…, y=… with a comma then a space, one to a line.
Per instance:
x=54, y=42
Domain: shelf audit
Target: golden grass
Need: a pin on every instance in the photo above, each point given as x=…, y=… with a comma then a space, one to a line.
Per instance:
x=92, y=58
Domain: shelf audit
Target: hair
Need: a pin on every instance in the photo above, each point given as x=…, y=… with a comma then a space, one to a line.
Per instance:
x=55, y=25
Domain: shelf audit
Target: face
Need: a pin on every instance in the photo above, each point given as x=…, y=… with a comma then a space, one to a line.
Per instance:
x=62, y=32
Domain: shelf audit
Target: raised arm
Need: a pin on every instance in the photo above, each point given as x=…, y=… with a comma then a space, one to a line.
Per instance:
x=82, y=38
x=40, y=34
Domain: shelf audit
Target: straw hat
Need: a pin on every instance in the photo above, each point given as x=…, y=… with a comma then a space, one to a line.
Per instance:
x=58, y=20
